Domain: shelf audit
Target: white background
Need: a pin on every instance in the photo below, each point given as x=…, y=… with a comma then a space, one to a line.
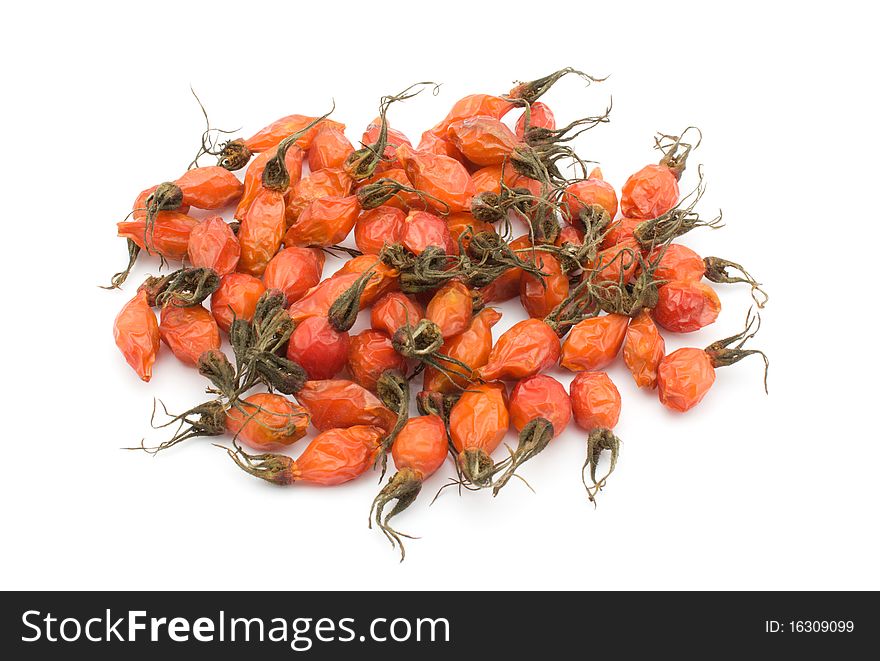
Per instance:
x=746, y=491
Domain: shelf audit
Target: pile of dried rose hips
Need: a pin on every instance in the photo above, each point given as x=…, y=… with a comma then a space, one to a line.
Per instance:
x=433, y=227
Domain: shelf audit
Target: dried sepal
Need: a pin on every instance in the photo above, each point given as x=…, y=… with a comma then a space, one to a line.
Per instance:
x=362, y=163
x=679, y=220
x=730, y=350
x=718, y=270
x=273, y=468
x=403, y=487
x=533, y=438
x=599, y=441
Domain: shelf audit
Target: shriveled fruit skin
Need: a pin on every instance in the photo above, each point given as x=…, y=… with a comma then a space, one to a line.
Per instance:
x=267, y=422
x=421, y=445
x=540, y=396
x=590, y=191
x=324, y=222
x=678, y=262
x=483, y=140
x=136, y=332
x=443, y=178
x=595, y=401
x=294, y=271
x=479, y=419
x=330, y=182
x=339, y=403
x=169, y=236
x=473, y=105
x=540, y=116
x=422, y=229
x=684, y=307
x=649, y=193
x=339, y=455
x=472, y=347
x=236, y=298
x=643, y=349
x=395, y=310
x=525, y=349
x=594, y=343
x=261, y=231
x=213, y=245
x=451, y=308
x=209, y=187
x=370, y=354
x=189, y=332
x=329, y=149
x=539, y=295
x=376, y=228
x=684, y=377
x=320, y=349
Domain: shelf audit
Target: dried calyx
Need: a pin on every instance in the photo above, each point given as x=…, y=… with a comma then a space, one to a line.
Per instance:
x=542, y=150
x=487, y=256
x=423, y=272
x=403, y=487
x=381, y=191
x=531, y=91
x=275, y=174
x=475, y=468
x=119, y=278
x=234, y=155
x=231, y=155
x=492, y=207
x=630, y=298
x=256, y=345
x=422, y=342
x=207, y=419
x=591, y=219
x=167, y=197
x=183, y=288
x=429, y=402
x=344, y=310
x=257, y=348
x=598, y=442
x=717, y=270
x=679, y=220
x=362, y=163
x=730, y=350
x=392, y=389
x=542, y=138
x=533, y=438
x=580, y=304
x=274, y=468
x=675, y=150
